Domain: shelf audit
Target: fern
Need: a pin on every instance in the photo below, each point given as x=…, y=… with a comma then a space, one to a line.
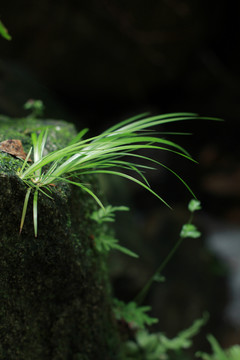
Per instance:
x=107, y=214
x=133, y=314
x=103, y=242
x=157, y=346
x=233, y=353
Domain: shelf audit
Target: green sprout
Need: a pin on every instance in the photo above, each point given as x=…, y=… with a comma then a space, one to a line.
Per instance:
x=115, y=152
x=36, y=106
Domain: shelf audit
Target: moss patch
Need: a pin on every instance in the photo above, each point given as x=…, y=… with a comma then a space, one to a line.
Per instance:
x=54, y=291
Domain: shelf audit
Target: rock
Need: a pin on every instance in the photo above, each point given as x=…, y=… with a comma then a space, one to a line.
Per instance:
x=54, y=291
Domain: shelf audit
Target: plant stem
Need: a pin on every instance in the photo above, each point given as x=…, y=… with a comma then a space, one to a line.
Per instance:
x=142, y=294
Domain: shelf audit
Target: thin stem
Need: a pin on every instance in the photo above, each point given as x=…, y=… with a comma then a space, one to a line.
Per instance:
x=142, y=294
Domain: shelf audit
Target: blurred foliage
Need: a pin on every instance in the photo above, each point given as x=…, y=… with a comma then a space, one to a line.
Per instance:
x=135, y=316
x=4, y=32
x=157, y=346
x=232, y=353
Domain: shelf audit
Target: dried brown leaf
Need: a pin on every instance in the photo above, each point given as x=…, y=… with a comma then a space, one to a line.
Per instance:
x=14, y=147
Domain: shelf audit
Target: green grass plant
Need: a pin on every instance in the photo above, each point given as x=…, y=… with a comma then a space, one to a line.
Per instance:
x=115, y=152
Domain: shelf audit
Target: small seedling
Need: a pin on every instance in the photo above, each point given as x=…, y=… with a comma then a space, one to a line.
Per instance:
x=35, y=106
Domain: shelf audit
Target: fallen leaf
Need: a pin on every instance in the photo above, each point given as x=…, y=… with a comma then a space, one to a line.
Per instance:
x=14, y=147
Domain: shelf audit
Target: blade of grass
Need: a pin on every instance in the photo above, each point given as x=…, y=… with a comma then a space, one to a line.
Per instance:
x=35, y=211
x=25, y=162
x=79, y=136
x=25, y=205
x=112, y=172
x=78, y=162
x=167, y=168
x=85, y=188
x=132, y=119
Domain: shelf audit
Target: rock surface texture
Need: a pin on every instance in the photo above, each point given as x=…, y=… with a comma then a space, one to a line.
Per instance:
x=54, y=292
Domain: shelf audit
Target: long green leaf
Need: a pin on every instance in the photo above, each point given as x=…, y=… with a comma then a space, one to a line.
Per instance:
x=111, y=172
x=85, y=188
x=35, y=211
x=132, y=120
x=25, y=205
x=25, y=162
x=78, y=137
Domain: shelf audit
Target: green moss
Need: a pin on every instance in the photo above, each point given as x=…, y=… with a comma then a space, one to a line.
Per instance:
x=54, y=291
x=60, y=132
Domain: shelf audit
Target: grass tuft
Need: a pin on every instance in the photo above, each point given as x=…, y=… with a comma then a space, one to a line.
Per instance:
x=115, y=152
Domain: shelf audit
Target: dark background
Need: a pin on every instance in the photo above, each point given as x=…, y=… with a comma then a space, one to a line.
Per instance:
x=97, y=62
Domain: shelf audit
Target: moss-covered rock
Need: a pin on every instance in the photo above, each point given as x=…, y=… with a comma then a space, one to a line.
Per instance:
x=55, y=302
